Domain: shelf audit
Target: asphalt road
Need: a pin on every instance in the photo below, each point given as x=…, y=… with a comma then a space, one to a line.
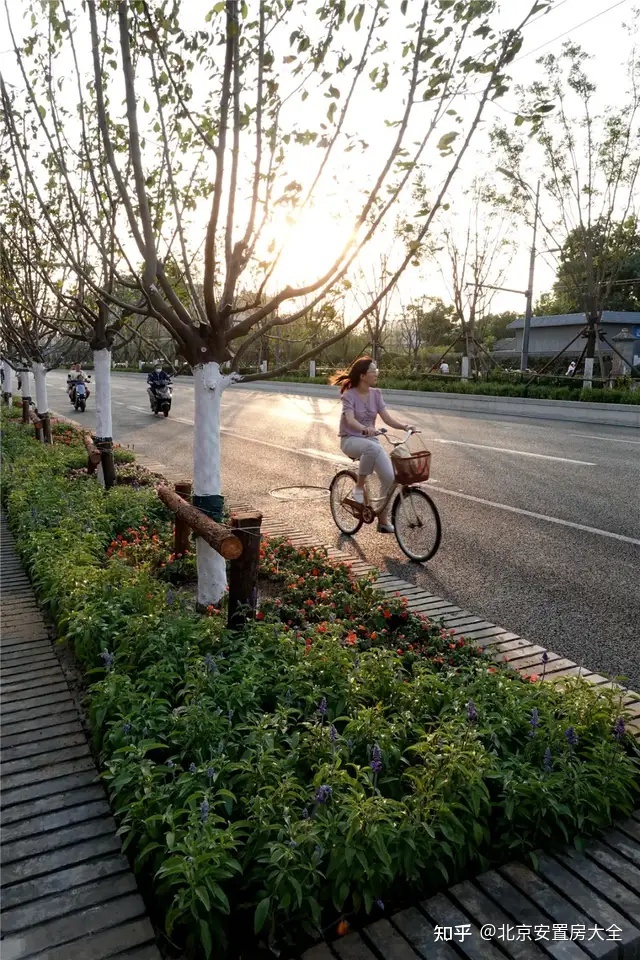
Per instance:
x=541, y=520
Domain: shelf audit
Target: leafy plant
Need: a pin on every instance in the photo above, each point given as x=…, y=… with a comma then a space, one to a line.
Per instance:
x=337, y=753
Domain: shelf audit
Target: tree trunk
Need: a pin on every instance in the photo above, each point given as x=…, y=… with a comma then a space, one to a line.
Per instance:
x=42, y=400
x=592, y=334
x=104, y=428
x=7, y=386
x=26, y=395
x=208, y=384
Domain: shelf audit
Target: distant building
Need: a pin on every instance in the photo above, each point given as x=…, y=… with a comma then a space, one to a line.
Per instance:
x=505, y=349
x=548, y=335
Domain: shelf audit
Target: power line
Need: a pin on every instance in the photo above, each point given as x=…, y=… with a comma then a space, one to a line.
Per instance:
x=545, y=13
x=571, y=30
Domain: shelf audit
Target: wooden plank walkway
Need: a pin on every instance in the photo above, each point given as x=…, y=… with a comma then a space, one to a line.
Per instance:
x=67, y=892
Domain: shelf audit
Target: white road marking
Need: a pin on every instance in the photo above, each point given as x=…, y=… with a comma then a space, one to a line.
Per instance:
x=540, y=516
x=593, y=436
x=520, y=453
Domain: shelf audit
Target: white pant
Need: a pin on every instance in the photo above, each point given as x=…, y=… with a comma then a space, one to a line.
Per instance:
x=372, y=456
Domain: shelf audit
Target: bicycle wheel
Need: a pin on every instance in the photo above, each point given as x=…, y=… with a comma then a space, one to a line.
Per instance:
x=417, y=524
x=340, y=488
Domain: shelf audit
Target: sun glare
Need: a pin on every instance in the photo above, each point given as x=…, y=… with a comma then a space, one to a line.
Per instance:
x=312, y=245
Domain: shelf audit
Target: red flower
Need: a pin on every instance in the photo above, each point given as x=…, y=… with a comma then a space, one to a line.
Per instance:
x=259, y=615
x=399, y=652
x=386, y=613
x=351, y=638
x=534, y=678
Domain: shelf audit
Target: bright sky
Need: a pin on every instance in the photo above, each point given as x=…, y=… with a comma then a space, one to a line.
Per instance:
x=594, y=24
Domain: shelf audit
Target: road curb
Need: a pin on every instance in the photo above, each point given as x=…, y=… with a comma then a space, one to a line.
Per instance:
x=570, y=411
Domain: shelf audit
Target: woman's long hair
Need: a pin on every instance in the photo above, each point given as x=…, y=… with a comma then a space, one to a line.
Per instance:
x=347, y=379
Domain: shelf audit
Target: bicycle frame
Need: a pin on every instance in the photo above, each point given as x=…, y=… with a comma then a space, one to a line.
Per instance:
x=358, y=509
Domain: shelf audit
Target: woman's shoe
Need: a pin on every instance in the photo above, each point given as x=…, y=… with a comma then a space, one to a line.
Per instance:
x=386, y=527
x=357, y=494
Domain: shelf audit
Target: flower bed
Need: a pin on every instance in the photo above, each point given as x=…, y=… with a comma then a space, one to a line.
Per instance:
x=336, y=758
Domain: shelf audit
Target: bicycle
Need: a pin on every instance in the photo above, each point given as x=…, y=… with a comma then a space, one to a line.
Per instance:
x=414, y=515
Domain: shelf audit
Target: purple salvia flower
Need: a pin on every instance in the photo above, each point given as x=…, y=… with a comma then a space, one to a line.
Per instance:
x=211, y=773
x=170, y=764
x=126, y=728
x=350, y=743
x=333, y=734
x=204, y=810
x=192, y=768
x=293, y=844
x=472, y=713
x=572, y=737
x=170, y=597
x=380, y=905
x=322, y=707
x=323, y=793
x=107, y=659
x=305, y=814
x=376, y=759
x=210, y=663
x=548, y=761
x=618, y=730
x=534, y=720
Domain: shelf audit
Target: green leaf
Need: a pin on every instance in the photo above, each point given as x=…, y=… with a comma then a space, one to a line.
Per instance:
x=205, y=936
x=444, y=143
x=262, y=911
x=519, y=120
x=203, y=895
x=357, y=20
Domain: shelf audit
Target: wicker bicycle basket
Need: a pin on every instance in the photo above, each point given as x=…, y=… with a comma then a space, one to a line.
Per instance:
x=412, y=469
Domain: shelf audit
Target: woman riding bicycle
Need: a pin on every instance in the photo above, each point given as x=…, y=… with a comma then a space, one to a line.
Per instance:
x=362, y=402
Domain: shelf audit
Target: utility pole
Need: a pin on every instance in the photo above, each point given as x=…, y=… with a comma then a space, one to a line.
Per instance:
x=524, y=357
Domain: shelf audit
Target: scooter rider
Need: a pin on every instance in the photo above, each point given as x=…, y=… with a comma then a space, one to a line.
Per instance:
x=156, y=378
x=76, y=375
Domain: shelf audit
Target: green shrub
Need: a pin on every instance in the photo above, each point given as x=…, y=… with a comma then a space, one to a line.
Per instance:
x=491, y=388
x=337, y=752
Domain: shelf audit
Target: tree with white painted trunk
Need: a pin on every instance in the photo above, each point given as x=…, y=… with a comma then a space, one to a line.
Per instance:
x=63, y=280
x=590, y=163
x=7, y=381
x=25, y=337
x=221, y=108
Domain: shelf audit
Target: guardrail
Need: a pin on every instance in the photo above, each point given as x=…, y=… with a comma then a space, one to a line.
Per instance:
x=240, y=544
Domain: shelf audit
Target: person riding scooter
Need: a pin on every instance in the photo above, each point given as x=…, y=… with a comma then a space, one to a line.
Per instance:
x=76, y=375
x=157, y=378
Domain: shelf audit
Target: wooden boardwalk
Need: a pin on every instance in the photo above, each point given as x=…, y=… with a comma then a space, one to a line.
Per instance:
x=67, y=891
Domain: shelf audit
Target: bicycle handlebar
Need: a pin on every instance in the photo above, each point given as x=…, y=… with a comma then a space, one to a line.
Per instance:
x=382, y=432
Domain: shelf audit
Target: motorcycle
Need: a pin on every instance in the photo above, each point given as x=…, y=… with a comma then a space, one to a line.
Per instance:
x=161, y=397
x=78, y=394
